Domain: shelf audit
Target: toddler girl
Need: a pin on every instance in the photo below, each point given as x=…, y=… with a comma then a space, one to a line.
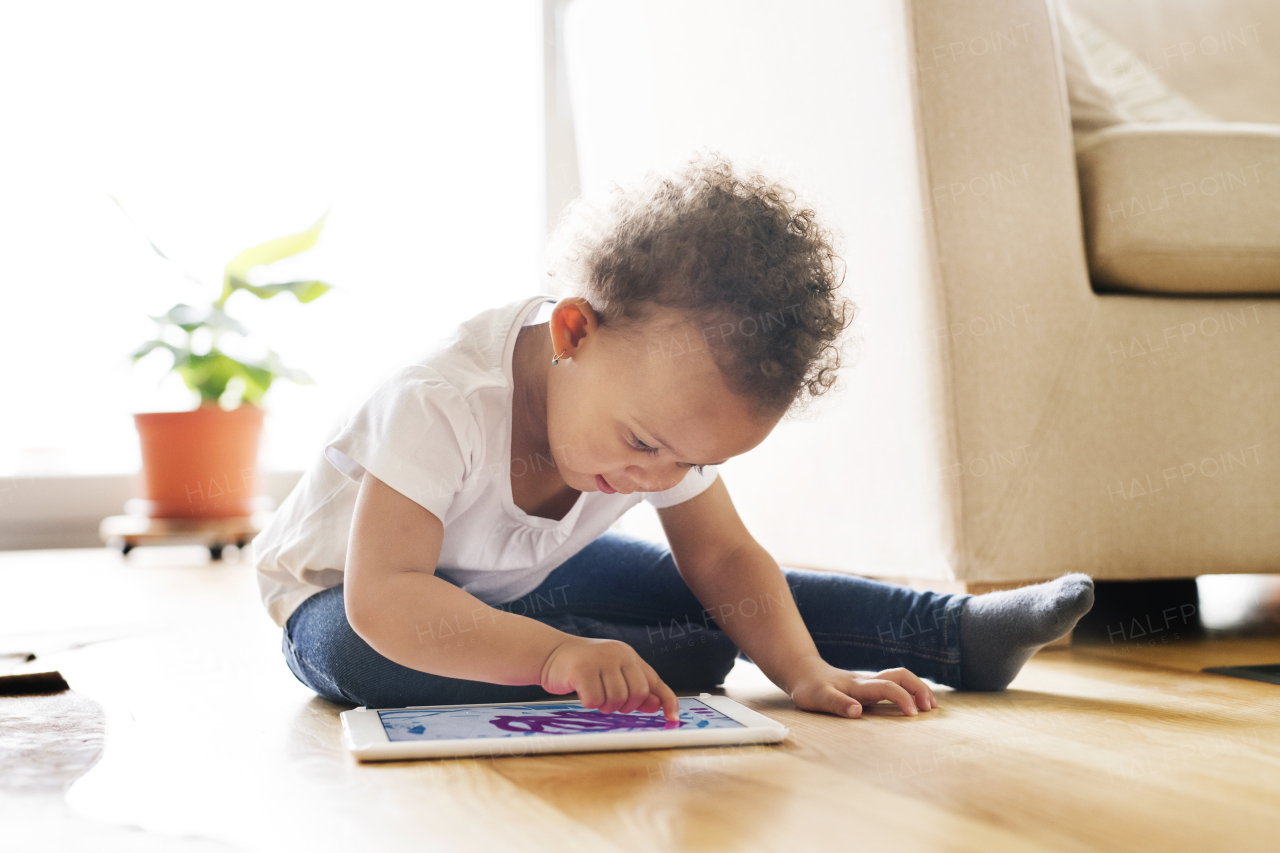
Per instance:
x=452, y=544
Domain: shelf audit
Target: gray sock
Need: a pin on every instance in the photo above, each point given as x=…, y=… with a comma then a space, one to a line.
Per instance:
x=1000, y=631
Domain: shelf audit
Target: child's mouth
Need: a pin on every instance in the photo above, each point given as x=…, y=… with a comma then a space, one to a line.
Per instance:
x=605, y=487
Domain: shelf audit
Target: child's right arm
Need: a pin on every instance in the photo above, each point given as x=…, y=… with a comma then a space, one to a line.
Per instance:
x=397, y=605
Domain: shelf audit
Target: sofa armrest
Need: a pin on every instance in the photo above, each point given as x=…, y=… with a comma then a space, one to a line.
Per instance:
x=1182, y=207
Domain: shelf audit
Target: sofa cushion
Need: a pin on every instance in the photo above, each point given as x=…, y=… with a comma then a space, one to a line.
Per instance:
x=1134, y=88
x=1182, y=207
x=1092, y=105
x=1220, y=55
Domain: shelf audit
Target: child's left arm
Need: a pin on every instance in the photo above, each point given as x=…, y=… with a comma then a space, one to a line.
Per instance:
x=724, y=567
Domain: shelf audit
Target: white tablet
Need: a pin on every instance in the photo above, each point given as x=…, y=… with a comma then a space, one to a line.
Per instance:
x=529, y=728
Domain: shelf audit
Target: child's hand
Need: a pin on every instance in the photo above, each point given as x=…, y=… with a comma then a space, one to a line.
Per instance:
x=609, y=675
x=818, y=686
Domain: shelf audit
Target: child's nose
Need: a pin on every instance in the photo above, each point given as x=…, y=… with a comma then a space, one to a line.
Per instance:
x=655, y=478
x=641, y=482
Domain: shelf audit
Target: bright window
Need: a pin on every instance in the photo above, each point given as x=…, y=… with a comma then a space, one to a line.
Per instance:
x=218, y=126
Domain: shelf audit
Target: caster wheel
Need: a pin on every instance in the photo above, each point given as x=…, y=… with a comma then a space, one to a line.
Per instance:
x=215, y=551
x=126, y=548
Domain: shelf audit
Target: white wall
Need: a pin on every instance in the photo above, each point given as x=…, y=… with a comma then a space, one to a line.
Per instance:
x=417, y=126
x=820, y=92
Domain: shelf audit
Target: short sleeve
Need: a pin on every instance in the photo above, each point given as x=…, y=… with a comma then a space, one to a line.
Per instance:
x=415, y=433
x=691, y=486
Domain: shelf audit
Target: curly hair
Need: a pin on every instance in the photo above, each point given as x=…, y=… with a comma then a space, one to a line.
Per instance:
x=729, y=250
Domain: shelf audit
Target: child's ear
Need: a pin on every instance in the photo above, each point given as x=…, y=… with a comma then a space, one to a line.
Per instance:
x=571, y=320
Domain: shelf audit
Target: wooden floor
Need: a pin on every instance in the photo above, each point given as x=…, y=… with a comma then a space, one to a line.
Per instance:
x=211, y=744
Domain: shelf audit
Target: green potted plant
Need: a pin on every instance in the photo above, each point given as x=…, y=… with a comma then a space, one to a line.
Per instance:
x=203, y=463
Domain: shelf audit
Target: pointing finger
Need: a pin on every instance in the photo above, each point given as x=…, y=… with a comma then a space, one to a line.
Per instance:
x=670, y=704
x=657, y=687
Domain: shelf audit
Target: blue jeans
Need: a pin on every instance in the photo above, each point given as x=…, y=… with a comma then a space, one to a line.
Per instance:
x=624, y=588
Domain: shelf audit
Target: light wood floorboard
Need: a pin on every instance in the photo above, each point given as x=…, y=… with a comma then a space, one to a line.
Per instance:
x=212, y=743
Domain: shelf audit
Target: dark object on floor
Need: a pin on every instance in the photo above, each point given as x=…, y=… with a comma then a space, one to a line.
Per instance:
x=10, y=661
x=1142, y=613
x=1268, y=672
x=32, y=683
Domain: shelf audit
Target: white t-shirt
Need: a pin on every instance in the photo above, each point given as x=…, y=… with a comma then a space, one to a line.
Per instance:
x=439, y=432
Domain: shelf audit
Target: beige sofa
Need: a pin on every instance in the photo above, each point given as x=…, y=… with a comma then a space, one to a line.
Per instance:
x=1149, y=420
x=1024, y=403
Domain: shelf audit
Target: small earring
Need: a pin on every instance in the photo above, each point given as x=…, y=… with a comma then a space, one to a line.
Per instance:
x=556, y=359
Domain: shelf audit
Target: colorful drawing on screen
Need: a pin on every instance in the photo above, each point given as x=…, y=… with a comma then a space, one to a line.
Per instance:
x=574, y=722
x=529, y=720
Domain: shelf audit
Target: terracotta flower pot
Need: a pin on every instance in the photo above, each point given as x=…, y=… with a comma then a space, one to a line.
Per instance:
x=202, y=463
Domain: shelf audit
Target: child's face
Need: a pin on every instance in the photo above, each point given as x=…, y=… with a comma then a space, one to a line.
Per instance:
x=609, y=396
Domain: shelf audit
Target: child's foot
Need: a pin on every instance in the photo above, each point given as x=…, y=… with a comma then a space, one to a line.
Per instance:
x=1000, y=631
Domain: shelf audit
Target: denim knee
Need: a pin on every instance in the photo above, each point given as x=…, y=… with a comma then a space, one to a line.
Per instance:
x=325, y=653
x=310, y=664
x=685, y=659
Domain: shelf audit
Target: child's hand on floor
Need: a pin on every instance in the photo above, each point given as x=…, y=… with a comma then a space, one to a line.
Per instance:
x=818, y=686
x=609, y=675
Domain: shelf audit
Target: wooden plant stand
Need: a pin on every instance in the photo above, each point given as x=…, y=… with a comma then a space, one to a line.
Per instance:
x=127, y=532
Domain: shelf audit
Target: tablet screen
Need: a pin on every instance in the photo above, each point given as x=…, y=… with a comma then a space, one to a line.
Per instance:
x=557, y=718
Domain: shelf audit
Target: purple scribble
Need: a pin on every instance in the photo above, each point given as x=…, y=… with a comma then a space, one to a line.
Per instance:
x=570, y=722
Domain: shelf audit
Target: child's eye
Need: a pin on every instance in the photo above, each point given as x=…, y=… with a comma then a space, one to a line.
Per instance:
x=641, y=446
